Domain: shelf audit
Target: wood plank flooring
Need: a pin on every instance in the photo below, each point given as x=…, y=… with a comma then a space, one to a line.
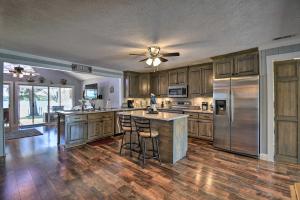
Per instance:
x=35, y=168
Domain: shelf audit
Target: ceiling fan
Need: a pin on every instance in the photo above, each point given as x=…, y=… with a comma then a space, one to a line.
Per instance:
x=20, y=72
x=154, y=56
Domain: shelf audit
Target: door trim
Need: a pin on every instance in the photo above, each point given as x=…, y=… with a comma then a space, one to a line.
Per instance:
x=270, y=99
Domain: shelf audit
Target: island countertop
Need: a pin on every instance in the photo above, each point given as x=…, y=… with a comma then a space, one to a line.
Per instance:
x=79, y=112
x=164, y=116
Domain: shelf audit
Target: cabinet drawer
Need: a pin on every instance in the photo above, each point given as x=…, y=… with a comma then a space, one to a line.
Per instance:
x=94, y=116
x=205, y=117
x=192, y=115
x=76, y=118
x=108, y=115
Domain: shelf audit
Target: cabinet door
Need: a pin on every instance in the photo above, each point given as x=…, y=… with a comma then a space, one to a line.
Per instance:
x=76, y=133
x=133, y=85
x=173, y=77
x=223, y=68
x=194, y=81
x=144, y=85
x=207, y=81
x=108, y=127
x=205, y=130
x=154, y=82
x=246, y=64
x=182, y=76
x=94, y=129
x=193, y=127
x=163, y=84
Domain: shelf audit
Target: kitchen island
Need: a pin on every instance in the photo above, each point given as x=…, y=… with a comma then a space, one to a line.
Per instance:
x=173, y=133
x=80, y=127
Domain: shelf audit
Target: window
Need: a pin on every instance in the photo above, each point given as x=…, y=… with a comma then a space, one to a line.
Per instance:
x=60, y=98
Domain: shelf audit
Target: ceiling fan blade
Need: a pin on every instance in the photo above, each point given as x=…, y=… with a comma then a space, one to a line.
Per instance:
x=137, y=54
x=170, y=54
x=163, y=59
x=143, y=60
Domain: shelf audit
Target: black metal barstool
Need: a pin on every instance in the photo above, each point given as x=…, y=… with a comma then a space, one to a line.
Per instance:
x=126, y=127
x=143, y=128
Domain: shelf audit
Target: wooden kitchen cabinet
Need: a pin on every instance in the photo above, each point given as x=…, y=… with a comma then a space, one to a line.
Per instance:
x=237, y=64
x=201, y=80
x=154, y=83
x=108, y=124
x=75, y=130
x=200, y=125
x=131, y=85
x=178, y=77
x=95, y=129
x=223, y=68
x=163, y=83
x=246, y=64
x=144, y=85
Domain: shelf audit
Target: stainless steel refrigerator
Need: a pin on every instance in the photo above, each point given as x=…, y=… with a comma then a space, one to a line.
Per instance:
x=236, y=114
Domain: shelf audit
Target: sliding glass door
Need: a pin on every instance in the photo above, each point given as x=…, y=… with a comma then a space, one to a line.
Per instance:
x=38, y=104
x=33, y=104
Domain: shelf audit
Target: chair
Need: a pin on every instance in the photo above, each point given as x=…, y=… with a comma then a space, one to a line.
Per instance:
x=126, y=127
x=143, y=128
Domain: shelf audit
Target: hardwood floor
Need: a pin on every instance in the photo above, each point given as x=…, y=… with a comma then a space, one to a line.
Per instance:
x=35, y=168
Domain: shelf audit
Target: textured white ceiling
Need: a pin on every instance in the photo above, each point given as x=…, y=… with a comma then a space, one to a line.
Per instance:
x=102, y=32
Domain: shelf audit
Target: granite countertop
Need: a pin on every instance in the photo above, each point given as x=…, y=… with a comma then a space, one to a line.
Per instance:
x=164, y=116
x=79, y=112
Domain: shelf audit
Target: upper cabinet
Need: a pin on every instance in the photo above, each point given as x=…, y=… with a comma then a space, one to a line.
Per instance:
x=178, y=76
x=144, y=85
x=237, y=64
x=201, y=80
x=246, y=64
x=163, y=83
x=223, y=68
x=136, y=84
x=154, y=83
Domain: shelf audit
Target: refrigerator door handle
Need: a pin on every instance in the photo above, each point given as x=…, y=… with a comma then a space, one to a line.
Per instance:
x=231, y=107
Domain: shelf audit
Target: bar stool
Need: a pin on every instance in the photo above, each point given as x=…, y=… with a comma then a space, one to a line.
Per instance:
x=143, y=128
x=126, y=127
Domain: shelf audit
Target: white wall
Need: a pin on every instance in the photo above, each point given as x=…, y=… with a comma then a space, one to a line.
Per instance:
x=104, y=86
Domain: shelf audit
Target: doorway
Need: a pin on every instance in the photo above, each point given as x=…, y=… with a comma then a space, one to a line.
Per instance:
x=7, y=105
x=287, y=110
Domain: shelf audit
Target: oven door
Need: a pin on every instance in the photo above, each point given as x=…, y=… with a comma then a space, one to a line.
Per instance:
x=177, y=91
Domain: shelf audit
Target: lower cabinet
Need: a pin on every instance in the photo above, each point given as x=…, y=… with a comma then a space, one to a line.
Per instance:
x=95, y=129
x=76, y=133
x=80, y=129
x=108, y=126
x=200, y=125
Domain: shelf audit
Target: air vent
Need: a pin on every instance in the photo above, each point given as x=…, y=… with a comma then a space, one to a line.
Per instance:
x=284, y=37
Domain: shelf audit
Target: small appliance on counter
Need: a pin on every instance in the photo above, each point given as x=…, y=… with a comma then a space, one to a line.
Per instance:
x=204, y=106
x=130, y=103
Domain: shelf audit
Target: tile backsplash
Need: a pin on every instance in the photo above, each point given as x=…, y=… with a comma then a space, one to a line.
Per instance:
x=197, y=101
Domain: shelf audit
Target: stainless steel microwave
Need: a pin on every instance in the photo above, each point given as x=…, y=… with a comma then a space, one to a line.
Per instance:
x=178, y=91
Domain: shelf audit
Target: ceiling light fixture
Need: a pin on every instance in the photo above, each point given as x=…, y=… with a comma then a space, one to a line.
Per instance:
x=156, y=62
x=149, y=61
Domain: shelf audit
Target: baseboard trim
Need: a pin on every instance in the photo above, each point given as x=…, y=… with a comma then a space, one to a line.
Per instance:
x=265, y=157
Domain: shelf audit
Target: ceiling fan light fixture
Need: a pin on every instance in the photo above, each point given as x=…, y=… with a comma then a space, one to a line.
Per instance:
x=154, y=51
x=15, y=75
x=21, y=75
x=156, y=62
x=149, y=61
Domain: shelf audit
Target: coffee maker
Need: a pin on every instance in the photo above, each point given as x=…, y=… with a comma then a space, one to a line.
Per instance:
x=130, y=103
